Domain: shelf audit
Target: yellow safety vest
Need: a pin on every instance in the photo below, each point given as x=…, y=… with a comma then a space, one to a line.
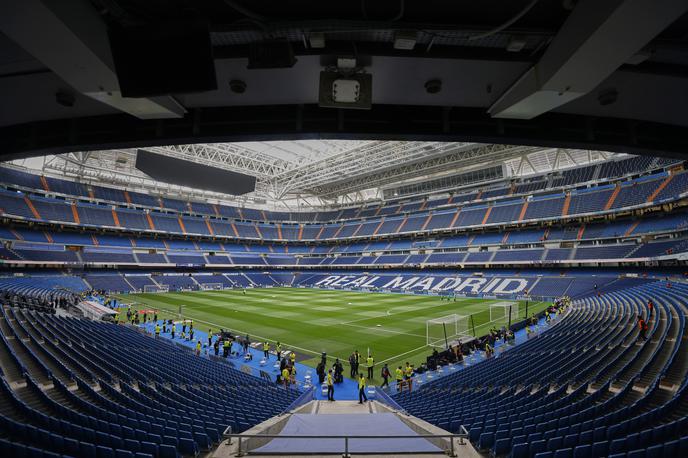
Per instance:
x=266, y=346
x=370, y=362
x=157, y=329
x=329, y=379
x=361, y=383
x=399, y=373
x=226, y=344
x=198, y=346
x=292, y=357
x=409, y=371
x=285, y=374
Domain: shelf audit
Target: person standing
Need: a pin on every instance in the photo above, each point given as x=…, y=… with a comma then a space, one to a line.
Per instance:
x=210, y=338
x=266, y=350
x=370, y=364
x=650, y=306
x=172, y=330
x=357, y=361
x=278, y=349
x=198, y=348
x=157, y=330
x=330, y=386
x=385, y=376
x=352, y=363
x=399, y=376
x=361, y=389
x=286, y=373
x=225, y=348
x=642, y=325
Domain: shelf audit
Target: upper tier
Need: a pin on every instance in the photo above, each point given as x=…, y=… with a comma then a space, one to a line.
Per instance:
x=517, y=187
x=644, y=191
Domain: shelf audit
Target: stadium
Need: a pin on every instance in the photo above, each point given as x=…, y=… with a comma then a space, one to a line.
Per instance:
x=376, y=228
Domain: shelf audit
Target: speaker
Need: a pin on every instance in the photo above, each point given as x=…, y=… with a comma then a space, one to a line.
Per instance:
x=163, y=58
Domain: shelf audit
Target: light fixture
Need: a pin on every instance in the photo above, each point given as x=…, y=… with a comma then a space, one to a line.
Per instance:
x=316, y=40
x=405, y=39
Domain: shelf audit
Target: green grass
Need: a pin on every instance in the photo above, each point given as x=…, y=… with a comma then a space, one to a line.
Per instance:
x=312, y=320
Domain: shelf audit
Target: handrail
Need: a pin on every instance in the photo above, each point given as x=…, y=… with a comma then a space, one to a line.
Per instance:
x=303, y=398
x=345, y=450
x=387, y=399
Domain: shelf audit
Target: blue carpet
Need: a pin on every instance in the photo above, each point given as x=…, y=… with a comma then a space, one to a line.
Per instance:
x=382, y=424
x=348, y=390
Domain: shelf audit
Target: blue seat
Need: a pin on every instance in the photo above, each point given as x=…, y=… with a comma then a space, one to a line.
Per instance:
x=105, y=452
x=87, y=450
x=519, y=451
x=188, y=447
x=544, y=455
x=501, y=447
x=167, y=451
x=71, y=446
x=671, y=448
x=583, y=451
x=537, y=446
x=554, y=443
x=640, y=453
x=123, y=454
x=486, y=441
x=656, y=451
x=600, y=448
x=203, y=441
x=149, y=447
x=564, y=453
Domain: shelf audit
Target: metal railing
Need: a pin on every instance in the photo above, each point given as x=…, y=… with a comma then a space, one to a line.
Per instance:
x=386, y=399
x=305, y=397
x=344, y=452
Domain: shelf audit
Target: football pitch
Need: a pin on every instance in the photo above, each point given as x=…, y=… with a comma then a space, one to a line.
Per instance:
x=310, y=321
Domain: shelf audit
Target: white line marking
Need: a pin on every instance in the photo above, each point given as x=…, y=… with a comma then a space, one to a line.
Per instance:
x=376, y=329
x=402, y=354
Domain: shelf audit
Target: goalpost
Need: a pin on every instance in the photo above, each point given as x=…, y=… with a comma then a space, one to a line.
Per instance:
x=446, y=329
x=212, y=286
x=156, y=288
x=504, y=312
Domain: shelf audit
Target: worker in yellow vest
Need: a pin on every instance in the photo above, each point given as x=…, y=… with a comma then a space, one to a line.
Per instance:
x=198, y=348
x=361, y=389
x=157, y=331
x=330, y=386
x=292, y=358
x=278, y=349
x=408, y=375
x=399, y=376
x=225, y=348
x=285, y=377
x=266, y=350
x=370, y=364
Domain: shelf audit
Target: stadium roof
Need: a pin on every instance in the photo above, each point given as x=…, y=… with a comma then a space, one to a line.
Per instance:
x=553, y=73
x=318, y=172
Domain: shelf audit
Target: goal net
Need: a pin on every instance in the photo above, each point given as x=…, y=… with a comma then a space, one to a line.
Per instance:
x=156, y=288
x=446, y=329
x=504, y=312
x=211, y=286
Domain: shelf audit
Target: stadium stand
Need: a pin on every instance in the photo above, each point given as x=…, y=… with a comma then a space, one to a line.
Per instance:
x=587, y=406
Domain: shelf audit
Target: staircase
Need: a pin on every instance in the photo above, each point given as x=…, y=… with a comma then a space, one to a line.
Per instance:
x=326, y=424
